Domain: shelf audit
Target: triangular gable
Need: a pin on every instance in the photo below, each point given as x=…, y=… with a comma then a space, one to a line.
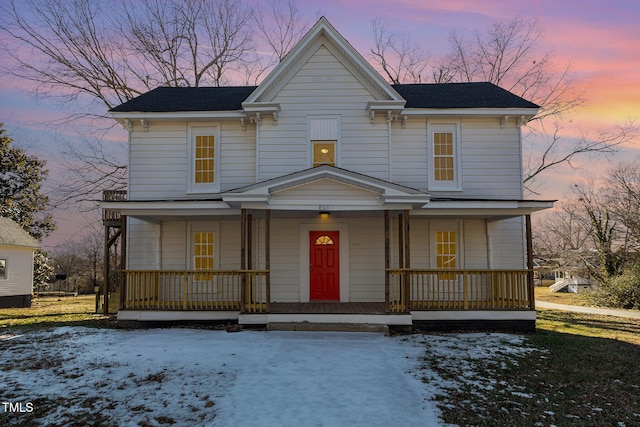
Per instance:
x=323, y=33
x=372, y=193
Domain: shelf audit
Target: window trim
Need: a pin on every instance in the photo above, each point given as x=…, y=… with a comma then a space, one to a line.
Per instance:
x=208, y=187
x=439, y=127
x=6, y=269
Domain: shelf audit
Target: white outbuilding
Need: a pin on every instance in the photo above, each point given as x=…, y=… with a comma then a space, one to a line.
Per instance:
x=17, y=250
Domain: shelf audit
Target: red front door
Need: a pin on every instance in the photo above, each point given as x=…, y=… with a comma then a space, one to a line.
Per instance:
x=324, y=265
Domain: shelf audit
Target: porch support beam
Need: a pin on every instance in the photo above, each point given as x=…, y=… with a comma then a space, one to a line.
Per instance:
x=267, y=255
x=531, y=285
x=387, y=258
x=400, y=241
x=243, y=259
x=249, y=242
x=123, y=260
x=407, y=263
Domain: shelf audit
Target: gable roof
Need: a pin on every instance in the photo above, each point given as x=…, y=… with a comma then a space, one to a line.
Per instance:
x=11, y=234
x=435, y=95
x=324, y=34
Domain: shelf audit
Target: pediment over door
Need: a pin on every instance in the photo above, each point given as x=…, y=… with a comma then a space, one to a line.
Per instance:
x=326, y=188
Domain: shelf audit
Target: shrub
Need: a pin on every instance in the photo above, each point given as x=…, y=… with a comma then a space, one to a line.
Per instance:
x=621, y=291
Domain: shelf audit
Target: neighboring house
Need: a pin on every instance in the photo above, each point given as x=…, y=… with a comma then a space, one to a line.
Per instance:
x=17, y=248
x=327, y=195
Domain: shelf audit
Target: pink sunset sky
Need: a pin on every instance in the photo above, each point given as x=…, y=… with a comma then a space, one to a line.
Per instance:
x=601, y=39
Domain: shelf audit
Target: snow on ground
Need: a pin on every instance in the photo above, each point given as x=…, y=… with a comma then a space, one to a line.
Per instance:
x=252, y=378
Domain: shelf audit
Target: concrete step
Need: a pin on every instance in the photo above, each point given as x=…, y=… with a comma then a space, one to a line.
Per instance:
x=334, y=327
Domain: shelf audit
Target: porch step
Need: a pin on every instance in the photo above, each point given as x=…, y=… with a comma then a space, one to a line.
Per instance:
x=334, y=327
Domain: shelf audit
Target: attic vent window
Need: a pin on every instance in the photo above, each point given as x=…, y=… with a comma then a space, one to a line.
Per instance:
x=324, y=153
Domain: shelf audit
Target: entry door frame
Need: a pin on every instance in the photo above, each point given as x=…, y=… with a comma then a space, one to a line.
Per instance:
x=333, y=256
x=304, y=276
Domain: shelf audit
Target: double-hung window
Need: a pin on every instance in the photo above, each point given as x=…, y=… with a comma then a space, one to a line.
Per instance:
x=3, y=268
x=204, y=160
x=444, y=163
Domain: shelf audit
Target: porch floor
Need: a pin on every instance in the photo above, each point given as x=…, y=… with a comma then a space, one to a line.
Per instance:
x=327, y=308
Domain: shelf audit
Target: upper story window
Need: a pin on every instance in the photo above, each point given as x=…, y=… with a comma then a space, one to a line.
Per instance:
x=204, y=160
x=324, y=140
x=444, y=162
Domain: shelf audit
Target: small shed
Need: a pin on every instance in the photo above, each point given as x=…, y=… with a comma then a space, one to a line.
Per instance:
x=17, y=250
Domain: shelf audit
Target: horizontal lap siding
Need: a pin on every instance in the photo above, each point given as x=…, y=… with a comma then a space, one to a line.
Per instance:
x=285, y=253
x=174, y=245
x=238, y=156
x=324, y=192
x=491, y=159
x=475, y=244
x=143, y=245
x=366, y=253
x=19, y=280
x=409, y=154
x=323, y=86
x=507, y=245
x=158, y=162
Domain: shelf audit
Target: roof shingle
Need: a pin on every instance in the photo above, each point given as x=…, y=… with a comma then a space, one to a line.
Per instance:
x=438, y=96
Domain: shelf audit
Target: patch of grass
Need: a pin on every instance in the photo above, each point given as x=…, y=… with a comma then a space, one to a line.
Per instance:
x=54, y=312
x=583, y=372
x=544, y=294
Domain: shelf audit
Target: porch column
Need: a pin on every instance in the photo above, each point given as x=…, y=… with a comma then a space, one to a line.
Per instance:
x=267, y=254
x=243, y=258
x=530, y=280
x=387, y=259
x=123, y=260
x=407, y=262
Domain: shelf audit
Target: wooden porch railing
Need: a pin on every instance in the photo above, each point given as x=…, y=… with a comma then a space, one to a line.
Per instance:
x=413, y=289
x=222, y=290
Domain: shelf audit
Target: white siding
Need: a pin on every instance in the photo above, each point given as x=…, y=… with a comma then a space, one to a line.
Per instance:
x=143, y=245
x=19, y=279
x=285, y=253
x=507, y=244
x=174, y=245
x=325, y=191
x=158, y=162
x=409, y=154
x=158, y=168
x=491, y=159
x=366, y=240
x=323, y=86
x=475, y=244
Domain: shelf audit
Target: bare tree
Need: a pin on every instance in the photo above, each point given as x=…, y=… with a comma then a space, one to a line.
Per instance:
x=552, y=149
x=400, y=59
x=622, y=195
x=96, y=54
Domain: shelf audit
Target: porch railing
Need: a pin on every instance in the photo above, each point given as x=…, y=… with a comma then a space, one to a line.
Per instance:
x=222, y=290
x=413, y=289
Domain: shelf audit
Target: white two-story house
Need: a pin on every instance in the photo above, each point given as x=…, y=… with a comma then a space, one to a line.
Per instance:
x=327, y=195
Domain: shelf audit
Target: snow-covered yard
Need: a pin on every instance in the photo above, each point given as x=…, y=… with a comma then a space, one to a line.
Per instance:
x=76, y=376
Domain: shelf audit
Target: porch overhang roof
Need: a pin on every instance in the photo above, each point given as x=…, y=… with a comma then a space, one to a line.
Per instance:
x=380, y=194
x=167, y=208
x=482, y=208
